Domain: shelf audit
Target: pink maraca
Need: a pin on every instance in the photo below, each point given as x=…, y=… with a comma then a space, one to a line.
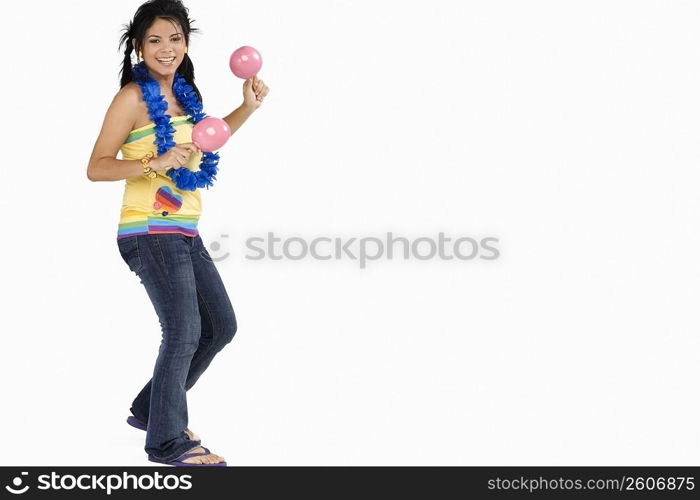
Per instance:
x=210, y=134
x=245, y=62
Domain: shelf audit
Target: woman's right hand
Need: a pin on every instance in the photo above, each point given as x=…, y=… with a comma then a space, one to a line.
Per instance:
x=176, y=157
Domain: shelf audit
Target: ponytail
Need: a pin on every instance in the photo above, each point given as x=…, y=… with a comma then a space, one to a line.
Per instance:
x=126, y=71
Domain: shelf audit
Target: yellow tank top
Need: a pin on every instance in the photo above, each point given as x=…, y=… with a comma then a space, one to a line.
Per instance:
x=156, y=206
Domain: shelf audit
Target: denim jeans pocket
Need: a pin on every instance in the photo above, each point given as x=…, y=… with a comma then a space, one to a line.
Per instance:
x=129, y=250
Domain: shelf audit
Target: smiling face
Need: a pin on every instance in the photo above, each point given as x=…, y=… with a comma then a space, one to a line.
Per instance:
x=163, y=47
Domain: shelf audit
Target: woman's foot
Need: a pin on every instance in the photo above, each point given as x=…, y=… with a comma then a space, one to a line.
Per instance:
x=192, y=435
x=209, y=458
x=135, y=422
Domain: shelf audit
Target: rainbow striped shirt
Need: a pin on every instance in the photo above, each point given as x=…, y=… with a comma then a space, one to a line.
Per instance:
x=156, y=206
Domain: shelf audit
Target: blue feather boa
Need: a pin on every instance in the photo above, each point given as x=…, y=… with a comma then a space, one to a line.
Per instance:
x=183, y=177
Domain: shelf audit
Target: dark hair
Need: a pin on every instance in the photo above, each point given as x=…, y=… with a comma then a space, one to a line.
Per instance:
x=145, y=16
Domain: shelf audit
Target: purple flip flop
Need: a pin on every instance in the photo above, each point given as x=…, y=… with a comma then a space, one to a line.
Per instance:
x=179, y=462
x=135, y=422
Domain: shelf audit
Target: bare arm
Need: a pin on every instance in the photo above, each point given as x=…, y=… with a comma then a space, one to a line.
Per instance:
x=238, y=116
x=254, y=91
x=118, y=122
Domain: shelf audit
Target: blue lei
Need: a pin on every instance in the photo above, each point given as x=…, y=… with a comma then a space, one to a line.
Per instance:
x=183, y=177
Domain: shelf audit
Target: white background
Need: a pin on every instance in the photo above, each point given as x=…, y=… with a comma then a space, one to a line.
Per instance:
x=569, y=130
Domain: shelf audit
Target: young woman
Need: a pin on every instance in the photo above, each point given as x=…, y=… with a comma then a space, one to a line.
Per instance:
x=150, y=120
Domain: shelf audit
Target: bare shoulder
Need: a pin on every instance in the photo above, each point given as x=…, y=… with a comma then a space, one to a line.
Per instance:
x=127, y=100
x=123, y=109
x=118, y=122
x=132, y=89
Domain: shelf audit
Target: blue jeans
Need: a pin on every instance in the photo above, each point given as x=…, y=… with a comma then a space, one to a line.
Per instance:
x=197, y=321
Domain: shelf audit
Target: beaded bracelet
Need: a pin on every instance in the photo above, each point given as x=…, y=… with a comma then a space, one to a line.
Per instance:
x=147, y=170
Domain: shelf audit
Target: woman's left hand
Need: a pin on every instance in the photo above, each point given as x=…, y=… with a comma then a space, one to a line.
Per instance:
x=254, y=91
